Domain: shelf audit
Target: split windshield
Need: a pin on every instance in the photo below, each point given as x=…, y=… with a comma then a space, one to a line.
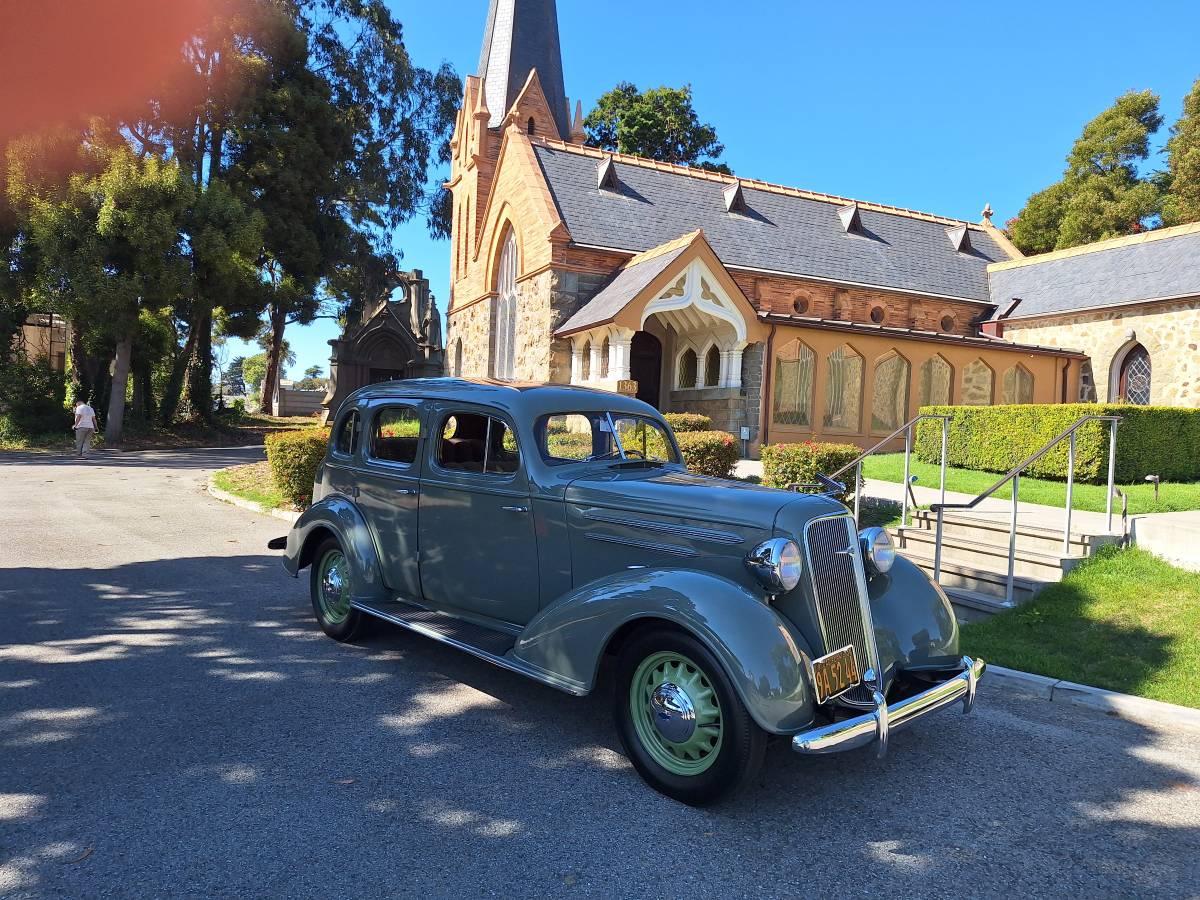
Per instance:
x=592, y=436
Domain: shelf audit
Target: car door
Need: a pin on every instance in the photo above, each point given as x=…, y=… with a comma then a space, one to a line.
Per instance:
x=478, y=548
x=389, y=483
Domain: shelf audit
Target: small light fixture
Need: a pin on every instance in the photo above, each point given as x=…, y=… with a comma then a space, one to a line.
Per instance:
x=1154, y=479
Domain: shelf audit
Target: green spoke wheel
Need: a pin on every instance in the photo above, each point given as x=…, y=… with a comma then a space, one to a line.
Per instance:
x=676, y=713
x=334, y=587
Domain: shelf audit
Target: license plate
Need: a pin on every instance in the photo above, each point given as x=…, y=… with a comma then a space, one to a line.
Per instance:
x=835, y=673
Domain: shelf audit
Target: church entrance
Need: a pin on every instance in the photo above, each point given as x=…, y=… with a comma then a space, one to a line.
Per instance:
x=645, y=366
x=378, y=375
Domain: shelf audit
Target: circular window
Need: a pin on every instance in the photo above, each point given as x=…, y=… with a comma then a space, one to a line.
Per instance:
x=947, y=323
x=800, y=305
x=877, y=315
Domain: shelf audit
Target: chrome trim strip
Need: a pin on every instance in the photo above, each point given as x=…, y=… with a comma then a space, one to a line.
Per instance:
x=642, y=545
x=860, y=578
x=685, y=531
x=513, y=665
x=878, y=724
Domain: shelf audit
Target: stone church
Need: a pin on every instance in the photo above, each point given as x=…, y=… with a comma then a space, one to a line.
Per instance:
x=790, y=313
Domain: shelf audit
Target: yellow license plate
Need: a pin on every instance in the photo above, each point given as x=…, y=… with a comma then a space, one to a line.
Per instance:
x=835, y=673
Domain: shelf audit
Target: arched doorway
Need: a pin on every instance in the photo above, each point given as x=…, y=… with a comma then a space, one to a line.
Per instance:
x=645, y=366
x=1134, y=383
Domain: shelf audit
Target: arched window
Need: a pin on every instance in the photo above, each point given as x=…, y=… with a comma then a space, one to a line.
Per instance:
x=1134, y=386
x=889, y=400
x=530, y=126
x=504, y=321
x=792, y=391
x=843, y=392
x=933, y=382
x=687, y=369
x=712, y=367
x=586, y=370
x=1018, y=385
x=977, y=384
x=457, y=358
x=604, y=348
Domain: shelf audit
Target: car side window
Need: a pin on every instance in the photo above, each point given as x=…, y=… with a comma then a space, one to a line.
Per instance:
x=472, y=442
x=395, y=435
x=347, y=432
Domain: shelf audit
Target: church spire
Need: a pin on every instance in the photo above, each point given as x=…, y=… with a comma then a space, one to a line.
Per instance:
x=522, y=35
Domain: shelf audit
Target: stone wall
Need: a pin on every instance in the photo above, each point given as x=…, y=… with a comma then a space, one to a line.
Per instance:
x=1169, y=330
x=729, y=408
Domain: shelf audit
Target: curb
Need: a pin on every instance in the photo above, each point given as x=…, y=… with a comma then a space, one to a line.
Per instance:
x=1111, y=703
x=227, y=497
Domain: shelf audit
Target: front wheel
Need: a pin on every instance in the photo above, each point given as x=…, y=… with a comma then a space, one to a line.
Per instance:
x=329, y=585
x=682, y=723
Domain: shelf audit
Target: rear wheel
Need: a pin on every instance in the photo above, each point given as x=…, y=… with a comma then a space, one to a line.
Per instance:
x=682, y=723
x=329, y=585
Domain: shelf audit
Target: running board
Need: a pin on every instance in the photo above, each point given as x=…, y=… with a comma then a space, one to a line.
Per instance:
x=486, y=643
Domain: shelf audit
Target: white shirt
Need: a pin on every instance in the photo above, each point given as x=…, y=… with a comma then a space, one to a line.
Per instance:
x=86, y=416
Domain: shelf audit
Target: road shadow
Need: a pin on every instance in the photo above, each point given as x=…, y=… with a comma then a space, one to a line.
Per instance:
x=197, y=458
x=183, y=726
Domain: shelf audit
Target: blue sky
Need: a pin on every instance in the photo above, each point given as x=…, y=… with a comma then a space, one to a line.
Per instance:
x=939, y=107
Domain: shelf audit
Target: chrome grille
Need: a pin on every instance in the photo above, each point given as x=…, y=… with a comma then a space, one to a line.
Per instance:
x=836, y=572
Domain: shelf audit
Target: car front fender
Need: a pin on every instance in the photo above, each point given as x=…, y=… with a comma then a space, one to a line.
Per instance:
x=915, y=627
x=765, y=658
x=337, y=516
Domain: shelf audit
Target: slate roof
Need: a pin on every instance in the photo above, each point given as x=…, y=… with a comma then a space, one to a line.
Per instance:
x=615, y=295
x=522, y=35
x=1158, y=264
x=793, y=233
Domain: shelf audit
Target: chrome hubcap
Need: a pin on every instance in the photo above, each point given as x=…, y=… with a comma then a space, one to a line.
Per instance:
x=672, y=712
x=331, y=584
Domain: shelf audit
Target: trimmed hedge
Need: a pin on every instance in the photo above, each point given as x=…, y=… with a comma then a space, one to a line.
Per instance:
x=1151, y=440
x=712, y=453
x=684, y=422
x=785, y=464
x=294, y=457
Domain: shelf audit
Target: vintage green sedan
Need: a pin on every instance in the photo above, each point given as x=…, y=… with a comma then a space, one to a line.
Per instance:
x=547, y=529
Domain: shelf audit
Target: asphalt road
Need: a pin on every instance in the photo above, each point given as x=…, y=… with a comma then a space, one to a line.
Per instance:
x=172, y=722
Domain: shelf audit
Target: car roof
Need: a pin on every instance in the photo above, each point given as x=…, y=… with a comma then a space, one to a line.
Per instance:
x=523, y=400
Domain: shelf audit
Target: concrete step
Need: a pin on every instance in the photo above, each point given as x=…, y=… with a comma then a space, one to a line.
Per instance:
x=973, y=578
x=993, y=529
x=974, y=606
x=989, y=557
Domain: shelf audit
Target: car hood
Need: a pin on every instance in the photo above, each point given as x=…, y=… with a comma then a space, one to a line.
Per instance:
x=677, y=494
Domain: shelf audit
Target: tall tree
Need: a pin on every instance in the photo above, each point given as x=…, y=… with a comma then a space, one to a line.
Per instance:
x=1181, y=204
x=1101, y=193
x=659, y=123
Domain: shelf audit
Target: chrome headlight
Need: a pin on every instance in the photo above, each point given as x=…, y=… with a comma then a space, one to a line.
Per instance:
x=878, y=549
x=777, y=564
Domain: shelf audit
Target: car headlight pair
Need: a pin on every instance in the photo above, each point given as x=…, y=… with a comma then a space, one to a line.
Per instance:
x=877, y=549
x=777, y=564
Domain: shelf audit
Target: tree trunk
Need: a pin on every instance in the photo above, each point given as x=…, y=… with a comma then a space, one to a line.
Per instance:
x=173, y=390
x=116, y=400
x=199, y=376
x=278, y=321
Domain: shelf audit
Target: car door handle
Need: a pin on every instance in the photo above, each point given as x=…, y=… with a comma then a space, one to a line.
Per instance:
x=516, y=509
x=407, y=492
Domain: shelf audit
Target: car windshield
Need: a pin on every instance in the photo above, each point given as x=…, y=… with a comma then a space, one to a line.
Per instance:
x=618, y=437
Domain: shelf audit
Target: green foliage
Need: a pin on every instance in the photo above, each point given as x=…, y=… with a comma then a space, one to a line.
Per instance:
x=684, y=422
x=294, y=457
x=1151, y=440
x=787, y=464
x=254, y=370
x=1101, y=194
x=712, y=453
x=32, y=400
x=1181, y=204
x=659, y=123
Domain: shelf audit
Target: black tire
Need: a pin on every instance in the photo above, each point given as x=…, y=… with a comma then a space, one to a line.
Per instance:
x=338, y=620
x=737, y=756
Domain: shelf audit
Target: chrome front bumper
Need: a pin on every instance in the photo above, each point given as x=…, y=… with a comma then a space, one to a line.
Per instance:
x=883, y=720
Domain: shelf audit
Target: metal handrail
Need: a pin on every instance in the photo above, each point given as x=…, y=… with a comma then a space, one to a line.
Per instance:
x=906, y=428
x=1014, y=475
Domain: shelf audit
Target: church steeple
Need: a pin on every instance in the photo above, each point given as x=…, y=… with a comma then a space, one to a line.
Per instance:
x=522, y=35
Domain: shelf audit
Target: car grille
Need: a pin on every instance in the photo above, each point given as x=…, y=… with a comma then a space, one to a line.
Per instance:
x=833, y=562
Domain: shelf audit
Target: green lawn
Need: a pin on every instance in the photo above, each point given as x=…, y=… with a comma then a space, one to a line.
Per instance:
x=1172, y=497
x=1124, y=620
x=252, y=482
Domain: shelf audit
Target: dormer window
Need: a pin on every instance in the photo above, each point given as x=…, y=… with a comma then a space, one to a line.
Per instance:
x=735, y=199
x=960, y=238
x=850, y=219
x=606, y=175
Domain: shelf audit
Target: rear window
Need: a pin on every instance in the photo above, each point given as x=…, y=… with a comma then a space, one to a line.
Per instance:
x=347, y=431
x=584, y=437
x=471, y=442
x=395, y=435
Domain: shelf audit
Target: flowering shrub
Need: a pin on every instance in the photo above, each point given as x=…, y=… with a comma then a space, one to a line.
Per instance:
x=785, y=464
x=712, y=453
x=294, y=457
x=681, y=422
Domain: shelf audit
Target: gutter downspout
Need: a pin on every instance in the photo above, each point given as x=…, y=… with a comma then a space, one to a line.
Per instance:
x=768, y=369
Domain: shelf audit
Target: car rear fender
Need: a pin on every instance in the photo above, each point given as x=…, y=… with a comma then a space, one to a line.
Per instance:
x=763, y=655
x=337, y=516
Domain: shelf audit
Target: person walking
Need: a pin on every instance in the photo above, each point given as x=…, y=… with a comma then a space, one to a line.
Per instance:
x=85, y=427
